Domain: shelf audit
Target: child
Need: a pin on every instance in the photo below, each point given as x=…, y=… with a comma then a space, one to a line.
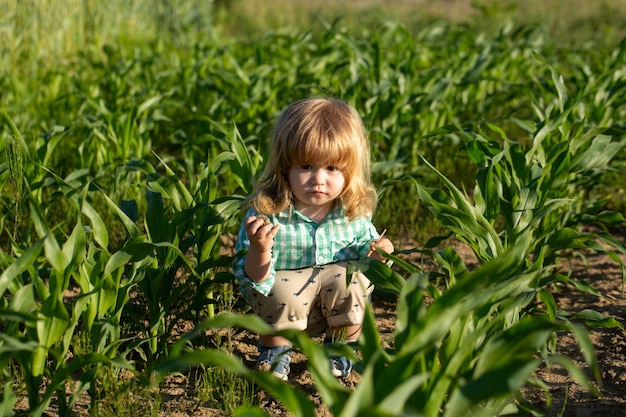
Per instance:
x=311, y=213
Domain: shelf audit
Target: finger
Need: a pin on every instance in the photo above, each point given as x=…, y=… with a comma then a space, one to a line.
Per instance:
x=254, y=223
x=273, y=231
x=249, y=222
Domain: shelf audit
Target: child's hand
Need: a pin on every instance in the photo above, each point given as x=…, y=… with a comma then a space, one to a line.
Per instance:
x=260, y=233
x=381, y=243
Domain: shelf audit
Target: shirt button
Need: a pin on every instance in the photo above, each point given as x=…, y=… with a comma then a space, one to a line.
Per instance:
x=320, y=259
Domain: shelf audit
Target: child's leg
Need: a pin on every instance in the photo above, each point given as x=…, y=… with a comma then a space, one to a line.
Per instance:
x=344, y=307
x=272, y=341
x=348, y=333
x=288, y=306
x=343, y=304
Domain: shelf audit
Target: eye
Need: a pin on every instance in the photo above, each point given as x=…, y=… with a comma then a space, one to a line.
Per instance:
x=333, y=168
x=306, y=167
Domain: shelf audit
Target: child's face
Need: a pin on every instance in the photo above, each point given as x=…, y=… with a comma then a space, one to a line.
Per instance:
x=315, y=187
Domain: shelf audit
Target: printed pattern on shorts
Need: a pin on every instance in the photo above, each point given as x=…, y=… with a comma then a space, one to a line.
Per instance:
x=312, y=298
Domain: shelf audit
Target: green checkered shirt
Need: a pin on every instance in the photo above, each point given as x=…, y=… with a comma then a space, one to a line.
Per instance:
x=301, y=242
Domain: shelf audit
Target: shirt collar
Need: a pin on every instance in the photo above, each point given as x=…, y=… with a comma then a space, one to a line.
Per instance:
x=336, y=215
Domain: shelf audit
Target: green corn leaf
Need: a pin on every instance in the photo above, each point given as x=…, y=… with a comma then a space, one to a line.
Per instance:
x=292, y=398
x=156, y=223
x=462, y=218
x=567, y=238
x=576, y=372
x=497, y=382
x=547, y=298
x=129, y=207
x=174, y=188
x=610, y=218
x=370, y=337
x=383, y=277
x=598, y=156
x=522, y=340
x=52, y=322
x=4, y=116
x=13, y=346
x=538, y=150
x=146, y=104
x=559, y=84
x=74, y=249
x=596, y=319
x=22, y=305
x=134, y=251
x=127, y=222
x=252, y=323
x=54, y=254
x=477, y=286
x=395, y=402
x=21, y=264
x=411, y=308
x=334, y=394
x=587, y=347
x=486, y=194
x=362, y=398
x=98, y=226
x=187, y=360
x=8, y=400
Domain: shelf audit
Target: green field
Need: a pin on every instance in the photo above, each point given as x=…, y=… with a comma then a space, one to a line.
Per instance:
x=131, y=132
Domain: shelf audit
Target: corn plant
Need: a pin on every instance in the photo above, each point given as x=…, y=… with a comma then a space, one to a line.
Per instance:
x=38, y=337
x=182, y=236
x=476, y=345
x=464, y=351
x=39, y=323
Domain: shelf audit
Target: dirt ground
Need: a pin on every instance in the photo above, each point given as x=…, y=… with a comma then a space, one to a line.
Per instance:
x=568, y=398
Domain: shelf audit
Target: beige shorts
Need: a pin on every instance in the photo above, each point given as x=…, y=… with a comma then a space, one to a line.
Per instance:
x=314, y=299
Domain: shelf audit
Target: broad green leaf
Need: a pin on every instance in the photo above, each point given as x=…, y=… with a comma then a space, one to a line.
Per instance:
x=172, y=187
x=601, y=151
x=508, y=377
x=596, y=319
x=395, y=402
x=20, y=265
x=521, y=341
x=54, y=254
x=52, y=322
x=74, y=249
x=128, y=223
x=383, y=277
x=156, y=223
x=98, y=226
x=8, y=400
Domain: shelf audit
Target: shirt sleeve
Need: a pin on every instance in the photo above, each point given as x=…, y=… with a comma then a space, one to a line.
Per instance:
x=246, y=284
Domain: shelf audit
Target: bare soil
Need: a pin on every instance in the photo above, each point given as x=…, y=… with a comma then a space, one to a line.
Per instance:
x=568, y=399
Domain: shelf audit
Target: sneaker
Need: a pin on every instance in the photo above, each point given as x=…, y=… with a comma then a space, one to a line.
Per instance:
x=340, y=367
x=275, y=359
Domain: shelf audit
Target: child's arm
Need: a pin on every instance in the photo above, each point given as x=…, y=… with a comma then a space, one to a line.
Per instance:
x=259, y=257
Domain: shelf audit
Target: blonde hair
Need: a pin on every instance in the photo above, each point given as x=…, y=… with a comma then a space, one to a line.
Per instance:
x=321, y=130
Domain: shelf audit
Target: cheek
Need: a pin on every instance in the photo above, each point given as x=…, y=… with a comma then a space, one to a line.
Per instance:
x=343, y=181
x=290, y=178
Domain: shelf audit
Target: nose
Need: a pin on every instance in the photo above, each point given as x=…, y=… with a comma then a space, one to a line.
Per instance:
x=319, y=176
